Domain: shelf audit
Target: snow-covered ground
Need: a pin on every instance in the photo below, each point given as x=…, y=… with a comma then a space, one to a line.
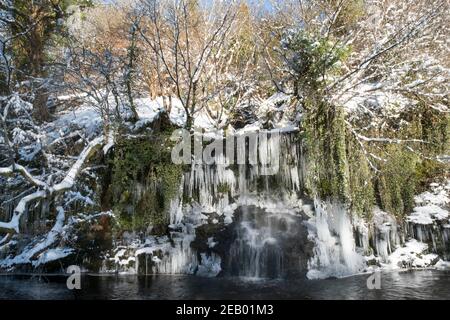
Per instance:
x=429, y=216
x=88, y=118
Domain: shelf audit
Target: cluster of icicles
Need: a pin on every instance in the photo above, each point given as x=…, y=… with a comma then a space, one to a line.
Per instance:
x=340, y=241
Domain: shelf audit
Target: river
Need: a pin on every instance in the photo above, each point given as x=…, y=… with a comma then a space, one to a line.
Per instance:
x=419, y=284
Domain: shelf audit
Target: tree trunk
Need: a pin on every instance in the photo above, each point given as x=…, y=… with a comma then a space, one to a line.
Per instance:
x=36, y=56
x=40, y=109
x=130, y=72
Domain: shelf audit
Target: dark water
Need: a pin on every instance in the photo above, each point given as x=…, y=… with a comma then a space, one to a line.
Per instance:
x=427, y=284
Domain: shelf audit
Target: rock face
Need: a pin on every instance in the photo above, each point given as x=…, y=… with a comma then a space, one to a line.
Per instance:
x=228, y=219
x=430, y=220
x=233, y=219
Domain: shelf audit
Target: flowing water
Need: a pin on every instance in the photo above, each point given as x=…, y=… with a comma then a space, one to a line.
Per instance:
x=425, y=284
x=268, y=244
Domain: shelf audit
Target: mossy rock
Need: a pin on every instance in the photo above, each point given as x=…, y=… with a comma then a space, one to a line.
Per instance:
x=143, y=182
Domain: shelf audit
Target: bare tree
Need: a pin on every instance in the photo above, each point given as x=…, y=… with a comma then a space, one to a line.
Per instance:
x=19, y=133
x=184, y=36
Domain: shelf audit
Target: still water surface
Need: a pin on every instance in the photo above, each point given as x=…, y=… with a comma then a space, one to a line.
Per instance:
x=426, y=284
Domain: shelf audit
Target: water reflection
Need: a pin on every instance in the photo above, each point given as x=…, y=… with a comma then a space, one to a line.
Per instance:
x=427, y=284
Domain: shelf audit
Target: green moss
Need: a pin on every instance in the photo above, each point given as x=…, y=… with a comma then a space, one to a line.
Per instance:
x=408, y=169
x=223, y=188
x=338, y=167
x=362, y=195
x=427, y=171
x=144, y=181
x=326, y=150
x=435, y=130
x=398, y=181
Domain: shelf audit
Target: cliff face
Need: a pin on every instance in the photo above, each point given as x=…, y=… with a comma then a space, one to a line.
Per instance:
x=232, y=220
x=286, y=202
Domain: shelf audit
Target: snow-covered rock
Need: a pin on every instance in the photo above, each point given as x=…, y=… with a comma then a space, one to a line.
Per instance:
x=431, y=205
x=413, y=254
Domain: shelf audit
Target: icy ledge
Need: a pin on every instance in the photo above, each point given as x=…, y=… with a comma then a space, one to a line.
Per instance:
x=414, y=254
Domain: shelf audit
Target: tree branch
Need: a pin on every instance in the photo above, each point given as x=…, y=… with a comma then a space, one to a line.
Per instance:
x=13, y=225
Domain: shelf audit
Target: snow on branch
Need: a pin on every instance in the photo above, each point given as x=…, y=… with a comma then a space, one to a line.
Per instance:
x=52, y=236
x=387, y=140
x=69, y=180
x=13, y=225
x=361, y=137
x=24, y=172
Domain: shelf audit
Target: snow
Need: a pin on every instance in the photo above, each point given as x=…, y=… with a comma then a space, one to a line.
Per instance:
x=442, y=265
x=72, y=196
x=13, y=224
x=69, y=179
x=431, y=205
x=110, y=142
x=203, y=120
x=119, y=255
x=25, y=173
x=149, y=109
x=28, y=254
x=439, y=198
x=126, y=262
x=211, y=242
x=427, y=214
x=6, y=171
x=85, y=117
x=373, y=97
x=53, y=255
x=412, y=255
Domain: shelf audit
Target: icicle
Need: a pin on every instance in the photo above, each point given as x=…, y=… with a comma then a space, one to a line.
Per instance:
x=335, y=251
